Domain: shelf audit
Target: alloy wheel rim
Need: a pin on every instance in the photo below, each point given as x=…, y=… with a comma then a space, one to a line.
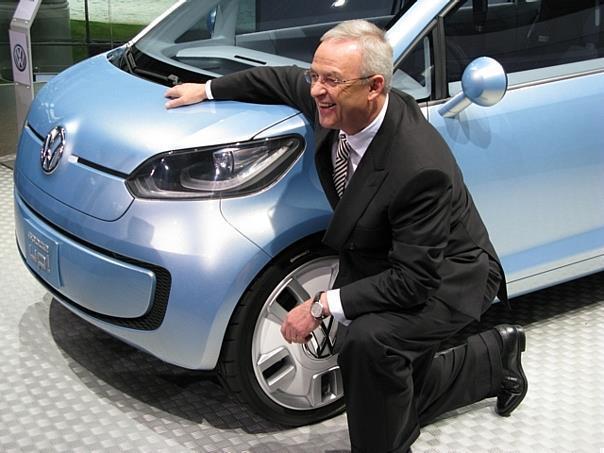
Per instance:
x=295, y=376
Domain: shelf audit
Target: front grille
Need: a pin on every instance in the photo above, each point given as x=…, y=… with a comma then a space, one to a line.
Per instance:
x=163, y=282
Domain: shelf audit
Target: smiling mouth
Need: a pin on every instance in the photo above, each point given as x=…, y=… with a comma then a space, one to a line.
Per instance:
x=326, y=106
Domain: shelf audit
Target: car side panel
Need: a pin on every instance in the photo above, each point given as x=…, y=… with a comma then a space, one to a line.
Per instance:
x=535, y=165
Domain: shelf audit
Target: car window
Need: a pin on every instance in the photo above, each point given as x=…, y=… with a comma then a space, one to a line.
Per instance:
x=217, y=37
x=263, y=15
x=293, y=29
x=415, y=74
x=532, y=39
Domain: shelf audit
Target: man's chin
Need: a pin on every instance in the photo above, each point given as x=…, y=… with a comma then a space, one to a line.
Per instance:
x=328, y=123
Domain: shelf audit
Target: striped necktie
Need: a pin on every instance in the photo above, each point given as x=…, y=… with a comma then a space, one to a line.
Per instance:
x=340, y=169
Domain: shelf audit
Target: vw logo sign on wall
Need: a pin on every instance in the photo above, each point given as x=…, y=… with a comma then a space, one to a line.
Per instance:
x=52, y=149
x=20, y=57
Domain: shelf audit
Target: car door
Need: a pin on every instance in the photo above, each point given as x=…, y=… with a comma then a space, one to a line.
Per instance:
x=534, y=162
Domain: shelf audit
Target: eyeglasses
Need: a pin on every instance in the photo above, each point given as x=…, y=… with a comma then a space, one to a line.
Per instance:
x=312, y=77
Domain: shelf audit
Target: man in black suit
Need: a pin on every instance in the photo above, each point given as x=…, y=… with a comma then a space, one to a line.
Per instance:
x=416, y=263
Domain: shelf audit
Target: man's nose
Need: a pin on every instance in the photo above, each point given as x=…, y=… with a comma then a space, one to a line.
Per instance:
x=317, y=89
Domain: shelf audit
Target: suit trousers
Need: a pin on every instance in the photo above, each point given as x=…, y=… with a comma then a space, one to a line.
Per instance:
x=395, y=380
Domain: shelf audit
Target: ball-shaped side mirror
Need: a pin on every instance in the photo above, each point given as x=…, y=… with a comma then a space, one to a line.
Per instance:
x=484, y=82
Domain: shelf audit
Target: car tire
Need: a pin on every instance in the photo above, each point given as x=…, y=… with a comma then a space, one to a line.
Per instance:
x=290, y=384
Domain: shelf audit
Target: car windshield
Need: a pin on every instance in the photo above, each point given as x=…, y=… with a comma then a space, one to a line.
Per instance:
x=203, y=39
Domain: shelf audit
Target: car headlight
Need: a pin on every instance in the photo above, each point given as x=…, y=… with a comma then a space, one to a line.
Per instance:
x=216, y=172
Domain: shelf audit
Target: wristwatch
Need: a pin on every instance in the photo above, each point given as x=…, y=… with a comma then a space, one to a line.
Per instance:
x=316, y=308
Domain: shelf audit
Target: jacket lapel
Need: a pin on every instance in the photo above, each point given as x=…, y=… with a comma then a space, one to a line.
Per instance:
x=363, y=185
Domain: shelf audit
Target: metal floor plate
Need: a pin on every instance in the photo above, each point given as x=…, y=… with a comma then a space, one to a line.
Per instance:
x=67, y=386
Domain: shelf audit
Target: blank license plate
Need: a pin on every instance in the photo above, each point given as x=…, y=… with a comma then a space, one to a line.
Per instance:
x=42, y=255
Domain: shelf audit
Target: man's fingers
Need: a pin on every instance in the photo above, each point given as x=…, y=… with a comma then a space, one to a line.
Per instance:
x=172, y=92
x=286, y=333
x=175, y=97
x=185, y=94
x=176, y=102
x=298, y=324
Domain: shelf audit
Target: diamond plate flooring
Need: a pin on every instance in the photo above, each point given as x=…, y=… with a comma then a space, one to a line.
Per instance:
x=67, y=386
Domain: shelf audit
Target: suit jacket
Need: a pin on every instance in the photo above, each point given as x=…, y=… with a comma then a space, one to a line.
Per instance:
x=406, y=227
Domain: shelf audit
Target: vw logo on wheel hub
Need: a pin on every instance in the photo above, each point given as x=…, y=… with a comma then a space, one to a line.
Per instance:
x=322, y=341
x=52, y=149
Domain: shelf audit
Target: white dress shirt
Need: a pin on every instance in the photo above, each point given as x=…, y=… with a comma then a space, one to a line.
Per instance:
x=208, y=90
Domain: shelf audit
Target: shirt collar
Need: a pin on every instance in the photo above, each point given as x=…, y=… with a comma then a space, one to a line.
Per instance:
x=361, y=140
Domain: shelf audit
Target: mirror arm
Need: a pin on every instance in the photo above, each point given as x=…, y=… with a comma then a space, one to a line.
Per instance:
x=455, y=105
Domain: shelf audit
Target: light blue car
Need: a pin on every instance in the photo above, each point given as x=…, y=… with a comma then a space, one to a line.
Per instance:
x=189, y=233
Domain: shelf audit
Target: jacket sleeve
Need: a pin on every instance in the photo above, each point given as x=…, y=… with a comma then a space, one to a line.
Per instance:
x=267, y=85
x=420, y=216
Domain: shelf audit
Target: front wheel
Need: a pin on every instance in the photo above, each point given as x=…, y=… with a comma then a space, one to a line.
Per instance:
x=290, y=384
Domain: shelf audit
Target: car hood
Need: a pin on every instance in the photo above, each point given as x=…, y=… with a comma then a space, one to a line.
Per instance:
x=113, y=121
x=118, y=120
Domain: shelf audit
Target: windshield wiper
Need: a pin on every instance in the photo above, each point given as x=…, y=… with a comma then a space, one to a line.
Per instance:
x=130, y=65
x=128, y=59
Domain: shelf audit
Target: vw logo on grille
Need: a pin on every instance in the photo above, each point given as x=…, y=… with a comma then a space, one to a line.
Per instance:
x=322, y=340
x=52, y=149
x=20, y=57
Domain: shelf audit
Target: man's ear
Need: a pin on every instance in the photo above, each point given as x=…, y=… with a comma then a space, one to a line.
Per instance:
x=376, y=86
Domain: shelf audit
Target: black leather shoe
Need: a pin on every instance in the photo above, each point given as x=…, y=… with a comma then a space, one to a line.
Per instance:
x=514, y=384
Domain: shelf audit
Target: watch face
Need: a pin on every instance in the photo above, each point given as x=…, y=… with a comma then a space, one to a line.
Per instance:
x=316, y=309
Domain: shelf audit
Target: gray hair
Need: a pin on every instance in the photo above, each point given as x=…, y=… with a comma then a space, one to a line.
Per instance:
x=376, y=52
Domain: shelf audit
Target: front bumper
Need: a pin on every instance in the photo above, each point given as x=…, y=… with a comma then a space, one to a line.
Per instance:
x=165, y=277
